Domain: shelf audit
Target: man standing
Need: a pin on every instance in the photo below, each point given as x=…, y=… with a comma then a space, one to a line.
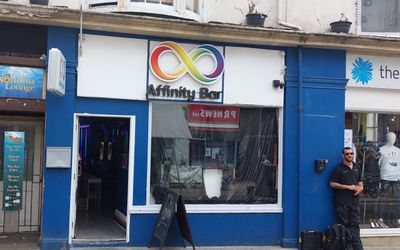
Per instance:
x=346, y=182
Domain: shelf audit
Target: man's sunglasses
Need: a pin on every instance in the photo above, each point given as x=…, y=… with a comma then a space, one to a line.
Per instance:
x=349, y=153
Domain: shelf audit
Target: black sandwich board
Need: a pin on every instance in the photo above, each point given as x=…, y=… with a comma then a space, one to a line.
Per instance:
x=172, y=201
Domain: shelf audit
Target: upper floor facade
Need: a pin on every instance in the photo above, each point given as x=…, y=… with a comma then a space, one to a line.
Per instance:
x=368, y=17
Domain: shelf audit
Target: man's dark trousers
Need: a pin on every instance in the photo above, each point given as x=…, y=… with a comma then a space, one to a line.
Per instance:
x=350, y=218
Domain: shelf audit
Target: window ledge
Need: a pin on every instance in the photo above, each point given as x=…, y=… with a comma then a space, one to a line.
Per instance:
x=382, y=232
x=380, y=34
x=217, y=209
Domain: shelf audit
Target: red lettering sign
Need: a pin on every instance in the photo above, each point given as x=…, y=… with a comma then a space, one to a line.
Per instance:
x=215, y=116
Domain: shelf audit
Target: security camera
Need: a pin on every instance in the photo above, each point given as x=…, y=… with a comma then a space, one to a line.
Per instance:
x=278, y=84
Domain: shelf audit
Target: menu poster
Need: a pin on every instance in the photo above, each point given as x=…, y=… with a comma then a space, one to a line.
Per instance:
x=13, y=174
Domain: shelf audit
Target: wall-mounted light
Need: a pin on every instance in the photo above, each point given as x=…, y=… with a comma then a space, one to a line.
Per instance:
x=278, y=84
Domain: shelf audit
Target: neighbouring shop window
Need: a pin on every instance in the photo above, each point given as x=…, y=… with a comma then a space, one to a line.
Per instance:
x=375, y=140
x=165, y=2
x=190, y=5
x=380, y=16
x=214, y=154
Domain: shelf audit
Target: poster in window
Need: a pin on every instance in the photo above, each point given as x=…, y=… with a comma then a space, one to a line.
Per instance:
x=13, y=175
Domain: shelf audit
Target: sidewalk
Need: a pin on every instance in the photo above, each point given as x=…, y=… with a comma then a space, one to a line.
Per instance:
x=29, y=241
x=230, y=248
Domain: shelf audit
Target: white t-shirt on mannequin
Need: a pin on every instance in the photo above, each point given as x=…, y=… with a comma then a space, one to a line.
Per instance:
x=389, y=162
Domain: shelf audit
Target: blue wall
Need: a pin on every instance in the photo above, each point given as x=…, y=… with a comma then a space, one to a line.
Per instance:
x=214, y=230
x=59, y=124
x=59, y=132
x=313, y=129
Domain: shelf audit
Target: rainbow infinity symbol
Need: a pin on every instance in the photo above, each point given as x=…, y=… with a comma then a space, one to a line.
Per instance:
x=187, y=62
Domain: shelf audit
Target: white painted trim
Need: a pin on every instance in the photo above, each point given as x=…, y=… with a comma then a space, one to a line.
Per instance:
x=213, y=209
x=131, y=167
x=74, y=166
x=280, y=159
x=150, y=125
x=381, y=232
x=74, y=171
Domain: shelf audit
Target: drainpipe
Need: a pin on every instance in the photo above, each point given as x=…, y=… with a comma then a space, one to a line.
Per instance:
x=282, y=6
x=300, y=121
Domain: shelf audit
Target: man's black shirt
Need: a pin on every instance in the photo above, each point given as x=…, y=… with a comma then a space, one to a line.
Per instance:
x=342, y=174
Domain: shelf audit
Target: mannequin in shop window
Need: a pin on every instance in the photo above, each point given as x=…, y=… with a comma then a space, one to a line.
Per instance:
x=389, y=164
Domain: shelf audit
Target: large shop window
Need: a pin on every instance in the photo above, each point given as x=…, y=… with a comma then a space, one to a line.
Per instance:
x=215, y=154
x=380, y=16
x=375, y=138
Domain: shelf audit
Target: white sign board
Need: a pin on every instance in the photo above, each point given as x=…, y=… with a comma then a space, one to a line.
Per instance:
x=373, y=71
x=139, y=69
x=56, y=72
x=112, y=67
x=249, y=73
x=58, y=157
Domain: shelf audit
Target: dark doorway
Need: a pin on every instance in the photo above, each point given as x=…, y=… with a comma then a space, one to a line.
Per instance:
x=103, y=179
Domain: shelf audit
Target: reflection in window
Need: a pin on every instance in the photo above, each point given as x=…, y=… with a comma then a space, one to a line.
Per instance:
x=375, y=137
x=167, y=2
x=192, y=5
x=215, y=154
x=380, y=16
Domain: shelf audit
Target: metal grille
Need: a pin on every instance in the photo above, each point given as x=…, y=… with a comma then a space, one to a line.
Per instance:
x=29, y=217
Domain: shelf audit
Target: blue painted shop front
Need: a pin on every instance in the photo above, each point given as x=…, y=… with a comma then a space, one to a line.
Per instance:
x=313, y=125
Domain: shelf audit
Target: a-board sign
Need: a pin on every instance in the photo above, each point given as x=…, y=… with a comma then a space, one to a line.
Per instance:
x=183, y=221
x=172, y=205
x=165, y=216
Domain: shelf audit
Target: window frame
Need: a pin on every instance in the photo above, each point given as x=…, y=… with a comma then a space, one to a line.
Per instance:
x=176, y=10
x=359, y=25
x=376, y=232
x=217, y=208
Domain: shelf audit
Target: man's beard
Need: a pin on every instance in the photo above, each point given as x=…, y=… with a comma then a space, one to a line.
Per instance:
x=348, y=160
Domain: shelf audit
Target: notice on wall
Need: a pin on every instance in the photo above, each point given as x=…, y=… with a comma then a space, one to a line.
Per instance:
x=13, y=174
x=348, y=138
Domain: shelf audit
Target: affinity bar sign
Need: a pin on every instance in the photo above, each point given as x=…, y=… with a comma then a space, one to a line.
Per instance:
x=186, y=72
x=13, y=174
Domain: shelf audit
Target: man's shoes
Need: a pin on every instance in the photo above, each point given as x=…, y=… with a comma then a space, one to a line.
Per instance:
x=373, y=223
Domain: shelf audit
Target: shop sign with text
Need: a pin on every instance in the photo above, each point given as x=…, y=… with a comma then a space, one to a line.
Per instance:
x=211, y=116
x=13, y=174
x=21, y=82
x=373, y=71
x=185, y=72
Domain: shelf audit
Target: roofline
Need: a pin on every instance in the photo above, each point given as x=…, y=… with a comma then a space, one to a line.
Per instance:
x=185, y=29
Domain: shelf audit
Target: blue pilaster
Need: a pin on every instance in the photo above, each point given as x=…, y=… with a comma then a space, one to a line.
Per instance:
x=59, y=130
x=314, y=128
